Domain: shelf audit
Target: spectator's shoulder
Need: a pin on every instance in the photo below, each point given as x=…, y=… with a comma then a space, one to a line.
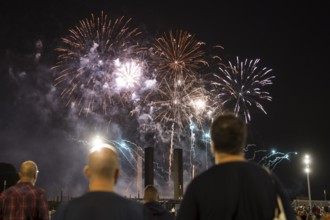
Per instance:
x=61, y=210
x=135, y=206
x=40, y=190
x=134, y=203
x=7, y=191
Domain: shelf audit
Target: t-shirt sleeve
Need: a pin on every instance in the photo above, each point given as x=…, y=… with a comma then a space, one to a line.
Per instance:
x=189, y=207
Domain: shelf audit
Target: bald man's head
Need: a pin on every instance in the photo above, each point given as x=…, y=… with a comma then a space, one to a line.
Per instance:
x=103, y=162
x=28, y=171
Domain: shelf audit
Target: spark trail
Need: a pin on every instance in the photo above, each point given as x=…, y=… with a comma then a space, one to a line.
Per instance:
x=128, y=150
x=272, y=159
x=268, y=158
x=242, y=85
x=178, y=106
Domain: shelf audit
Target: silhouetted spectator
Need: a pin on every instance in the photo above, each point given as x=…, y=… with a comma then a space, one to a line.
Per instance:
x=233, y=188
x=24, y=200
x=101, y=202
x=8, y=176
x=158, y=212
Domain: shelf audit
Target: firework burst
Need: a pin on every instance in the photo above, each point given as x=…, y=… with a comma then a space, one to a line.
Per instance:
x=178, y=105
x=240, y=86
x=181, y=103
x=94, y=50
x=176, y=59
x=177, y=56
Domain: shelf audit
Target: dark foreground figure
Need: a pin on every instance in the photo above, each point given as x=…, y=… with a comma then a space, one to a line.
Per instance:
x=23, y=200
x=101, y=203
x=155, y=209
x=233, y=188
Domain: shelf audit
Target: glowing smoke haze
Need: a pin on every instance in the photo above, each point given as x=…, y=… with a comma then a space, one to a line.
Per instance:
x=103, y=84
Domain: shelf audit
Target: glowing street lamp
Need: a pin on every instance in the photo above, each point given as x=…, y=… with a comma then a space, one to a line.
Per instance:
x=307, y=162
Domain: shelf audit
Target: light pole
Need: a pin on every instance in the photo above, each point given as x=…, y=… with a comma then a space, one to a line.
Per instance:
x=307, y=162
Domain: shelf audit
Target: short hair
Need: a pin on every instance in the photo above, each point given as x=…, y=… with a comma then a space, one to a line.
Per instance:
x=103, y=161
x=228, y=133
x=150, y=193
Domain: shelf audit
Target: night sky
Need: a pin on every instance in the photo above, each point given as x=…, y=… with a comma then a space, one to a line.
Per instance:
x=292, y=40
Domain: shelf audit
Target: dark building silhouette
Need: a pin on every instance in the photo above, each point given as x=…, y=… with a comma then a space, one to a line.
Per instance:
x=148, y=166
x=178, y=174
x=8, y=176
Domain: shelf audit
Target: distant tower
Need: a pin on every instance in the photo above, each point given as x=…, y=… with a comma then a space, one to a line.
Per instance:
x=139, y=165
x=178, y=174
x=148, y=166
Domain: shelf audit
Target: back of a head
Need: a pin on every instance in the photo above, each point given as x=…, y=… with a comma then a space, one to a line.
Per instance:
x=103, y=162
x=228, y=133
x=28, y=170
x=150, y=193
x=8, y=175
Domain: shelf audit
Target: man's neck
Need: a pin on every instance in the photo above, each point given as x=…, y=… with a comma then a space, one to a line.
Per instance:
x=27, y=180
x=225, y=158
x=101, y=185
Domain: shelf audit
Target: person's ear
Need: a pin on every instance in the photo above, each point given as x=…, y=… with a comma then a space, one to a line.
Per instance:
x=86, y=171
x=212, y=148
x=117, y=174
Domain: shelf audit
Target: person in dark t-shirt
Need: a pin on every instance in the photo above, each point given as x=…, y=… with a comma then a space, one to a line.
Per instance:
x=233, y=188
x=101, y=202
x=156, y=210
